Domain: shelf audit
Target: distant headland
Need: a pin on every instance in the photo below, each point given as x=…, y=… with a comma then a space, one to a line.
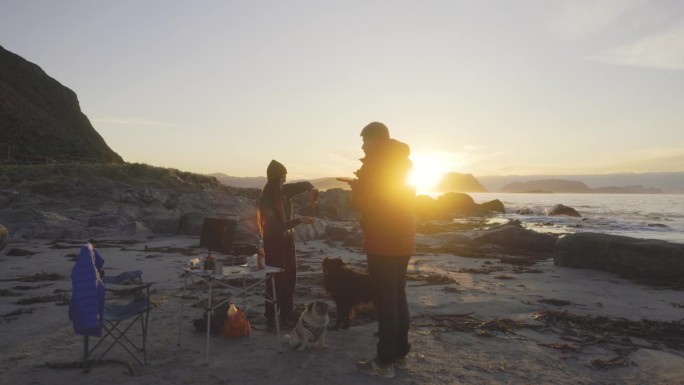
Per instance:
x=638, y=183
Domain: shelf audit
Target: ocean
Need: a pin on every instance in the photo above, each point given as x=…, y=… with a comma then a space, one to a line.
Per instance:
x=649, y=216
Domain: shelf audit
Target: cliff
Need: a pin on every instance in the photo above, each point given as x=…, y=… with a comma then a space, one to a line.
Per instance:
x=41, y=120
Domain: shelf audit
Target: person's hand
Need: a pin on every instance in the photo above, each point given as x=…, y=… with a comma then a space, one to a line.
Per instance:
x=260, y=248
x=307, y=220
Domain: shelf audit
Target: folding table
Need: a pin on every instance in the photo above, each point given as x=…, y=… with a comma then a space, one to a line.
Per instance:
x=230, y=272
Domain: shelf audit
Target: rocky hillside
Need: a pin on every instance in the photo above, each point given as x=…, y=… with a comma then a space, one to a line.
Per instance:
x=78, y=201
x=259, y=182
x=41, y=120
x=91, y=201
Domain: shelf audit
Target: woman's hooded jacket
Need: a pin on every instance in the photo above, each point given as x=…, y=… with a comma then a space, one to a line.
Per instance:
x=275, y=221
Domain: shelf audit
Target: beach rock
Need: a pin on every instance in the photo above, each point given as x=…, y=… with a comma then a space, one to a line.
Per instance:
x=427, y=209
x=106, y=220
x=494, y=206
x=563, y=210
x=4, y=237
x=6, y=197
x=456, y=203
x=336, y=233
x=191, y=223
x=33, y=223
x=630, y=257
x=513, y=235
x=135, y=228
x=334, y=204
x=445, y=207
x=111, y=211
x=443, y=240
x=15, y=199
x=525, y=211
x=162, y=223
x=310, y=232
x=458, y=240
x=355, y=239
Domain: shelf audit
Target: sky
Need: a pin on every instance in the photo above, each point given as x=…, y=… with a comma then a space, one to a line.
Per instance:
x=484, y=87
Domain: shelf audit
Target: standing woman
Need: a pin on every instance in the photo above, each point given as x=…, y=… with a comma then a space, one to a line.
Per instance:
x=274, y=216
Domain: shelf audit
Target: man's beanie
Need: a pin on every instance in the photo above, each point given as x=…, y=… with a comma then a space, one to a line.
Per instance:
x=275, y=170
x=375, y=130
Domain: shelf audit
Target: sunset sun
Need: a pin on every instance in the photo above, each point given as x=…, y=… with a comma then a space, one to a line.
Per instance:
x=428, y=169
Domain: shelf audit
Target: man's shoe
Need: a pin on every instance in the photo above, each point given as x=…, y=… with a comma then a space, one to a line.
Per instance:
x=375, y=368
x=400, y=363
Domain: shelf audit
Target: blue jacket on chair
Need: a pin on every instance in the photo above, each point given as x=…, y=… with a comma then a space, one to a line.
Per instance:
x=88, y=293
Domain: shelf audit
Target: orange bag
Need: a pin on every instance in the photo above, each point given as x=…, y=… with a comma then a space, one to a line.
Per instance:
x=236, y=325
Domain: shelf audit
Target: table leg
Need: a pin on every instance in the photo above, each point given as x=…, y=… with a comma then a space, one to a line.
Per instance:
x=209, y=317
x=244, y=292
x=244, y=303
x=85, y=354
x=180, y=320
x=277, y=315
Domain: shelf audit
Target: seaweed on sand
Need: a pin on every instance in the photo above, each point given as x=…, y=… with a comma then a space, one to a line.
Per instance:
x=485, y=269
x=468, y=323
x=43, y=276
x=555, y=302
x=61, y=299
x=598, y=329
x=13, y=315
x=431, y=279
x=38, y=277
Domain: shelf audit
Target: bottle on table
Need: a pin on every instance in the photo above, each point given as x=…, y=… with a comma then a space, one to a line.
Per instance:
x=209, y=262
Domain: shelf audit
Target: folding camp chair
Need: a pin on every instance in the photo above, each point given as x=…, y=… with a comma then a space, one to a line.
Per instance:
x=119, y=317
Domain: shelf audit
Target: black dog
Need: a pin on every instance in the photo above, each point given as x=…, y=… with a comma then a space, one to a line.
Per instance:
x=348, y=288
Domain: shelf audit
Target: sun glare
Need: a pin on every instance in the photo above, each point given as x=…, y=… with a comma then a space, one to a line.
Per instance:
x=428, y=170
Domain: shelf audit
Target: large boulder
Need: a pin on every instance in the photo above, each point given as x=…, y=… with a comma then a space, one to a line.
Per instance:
x=310, y=232
x=563, y=210
x=456, y=203
x=427, y=209
x=493, y=206
x=513, y=235
x=631, y=257
x=333, y=204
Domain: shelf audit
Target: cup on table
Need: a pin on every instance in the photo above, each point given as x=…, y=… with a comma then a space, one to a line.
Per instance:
x=252, y=262
x=218, y=268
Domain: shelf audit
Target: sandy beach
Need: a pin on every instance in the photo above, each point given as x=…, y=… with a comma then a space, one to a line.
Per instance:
x=474, y=321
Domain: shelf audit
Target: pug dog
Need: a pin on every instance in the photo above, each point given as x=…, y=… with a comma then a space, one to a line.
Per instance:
x=311, y=327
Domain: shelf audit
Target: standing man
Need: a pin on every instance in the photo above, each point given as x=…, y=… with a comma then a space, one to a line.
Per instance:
x=386, y=203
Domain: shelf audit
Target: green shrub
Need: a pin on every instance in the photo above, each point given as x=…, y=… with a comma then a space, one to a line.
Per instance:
x=48, y=179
